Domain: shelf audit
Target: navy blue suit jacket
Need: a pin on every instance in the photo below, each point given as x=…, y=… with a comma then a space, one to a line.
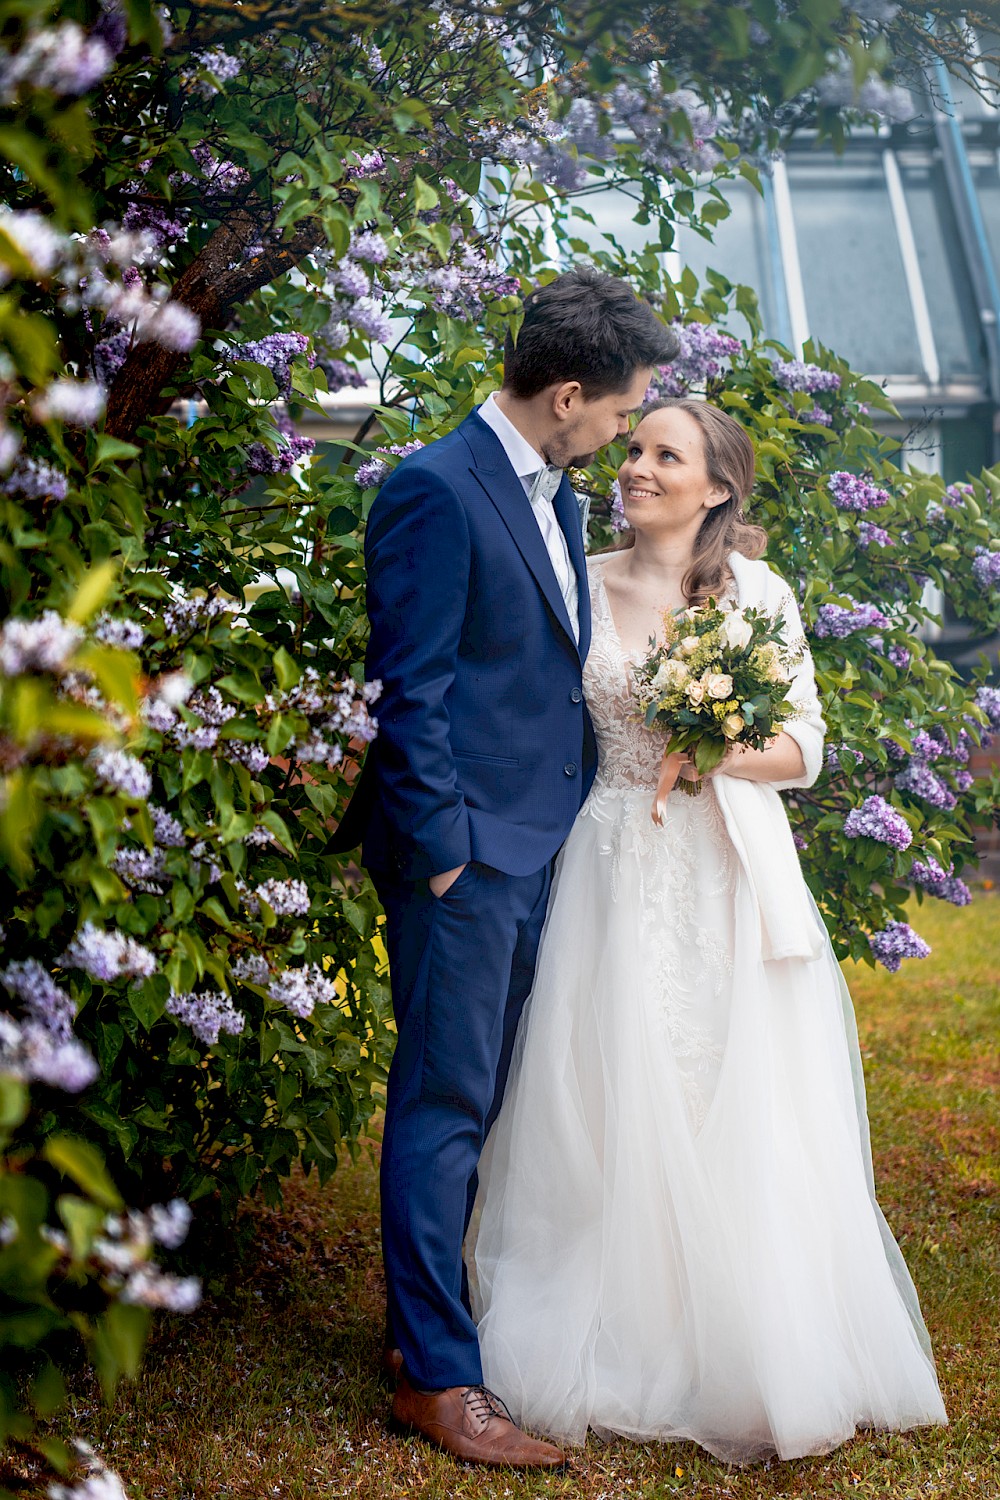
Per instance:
x=485, y=749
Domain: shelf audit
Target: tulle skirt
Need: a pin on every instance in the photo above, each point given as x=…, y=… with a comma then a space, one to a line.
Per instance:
x=676, y=1235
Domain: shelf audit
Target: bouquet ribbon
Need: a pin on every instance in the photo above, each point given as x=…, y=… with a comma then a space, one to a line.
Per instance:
x=670, y=770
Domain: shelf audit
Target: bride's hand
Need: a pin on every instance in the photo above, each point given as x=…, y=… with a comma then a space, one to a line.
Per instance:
x=689, y=771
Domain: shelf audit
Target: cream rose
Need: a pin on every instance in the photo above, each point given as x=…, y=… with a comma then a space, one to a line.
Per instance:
x=736, y=630
x=719, y=685
x=672, y=674
x=696, y=691
x=732, y=726
x=689, y=645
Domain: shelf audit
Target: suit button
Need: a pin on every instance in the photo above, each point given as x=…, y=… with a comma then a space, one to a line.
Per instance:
x=576, y=696
x=569, y=769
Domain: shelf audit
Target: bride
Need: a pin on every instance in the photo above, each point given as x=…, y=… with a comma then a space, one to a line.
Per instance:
x=677, y=1235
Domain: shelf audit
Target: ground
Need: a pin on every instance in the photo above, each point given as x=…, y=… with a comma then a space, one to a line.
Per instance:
x=270, y=1390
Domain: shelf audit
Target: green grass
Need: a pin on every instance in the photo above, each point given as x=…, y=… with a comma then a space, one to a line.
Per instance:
x=269, y=1390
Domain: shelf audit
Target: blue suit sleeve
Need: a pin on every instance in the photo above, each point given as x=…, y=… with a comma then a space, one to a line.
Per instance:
x=418, y=556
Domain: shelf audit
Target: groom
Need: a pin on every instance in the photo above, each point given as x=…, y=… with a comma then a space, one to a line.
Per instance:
x=480, y=623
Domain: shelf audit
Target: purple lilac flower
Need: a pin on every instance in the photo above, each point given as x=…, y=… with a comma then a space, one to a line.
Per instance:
x=369, y=317
x=796, y=375
x=703, y=355
x=986, y=568
x=251, y=968
x=818, y=416
x=838, y=89
x=109, y=355
x=127, y=635
x=370, y=247
x=148, y=1286
x=920, y=781
x=164, y=226
x=870, y=535
x=35, y=480
x=276, y=351
x=218, y=177
x=183, y=616
x=219, y=63
x=141, y=869
x=169, y=1223
x=895, y=942
x=834, y=752
x=462, y=290
x=39, y=645
x=171, y=325
x=837, y=620
x=34, y=239
x=301, y=990
x=253, y=757
x=618, y=521
x=286, y=898
x=292, y=449
x=78, y=403
x=875, y=819
x=123, y=773
x=108, y=955
x=899, y=656
x=374, y=471
x=111, y=26
x=988, y=699
x=340, y=376
x=43, y=1002
x=798, y=839
x=168, y=832
x=647, y=114
x=944, y=884
x=350, y=279
x=207, y=1014
x=368, y=165
x=956, y=495
x=61, y=58
x=855, y=492
x=31, y=1052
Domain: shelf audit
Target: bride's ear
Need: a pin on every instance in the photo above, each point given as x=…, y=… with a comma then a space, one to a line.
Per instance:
x=717, y=495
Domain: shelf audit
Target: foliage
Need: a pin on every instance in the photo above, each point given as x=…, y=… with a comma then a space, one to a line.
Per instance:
x=212, y=220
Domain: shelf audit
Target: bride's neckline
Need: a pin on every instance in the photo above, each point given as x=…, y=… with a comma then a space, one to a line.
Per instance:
x=631, y=656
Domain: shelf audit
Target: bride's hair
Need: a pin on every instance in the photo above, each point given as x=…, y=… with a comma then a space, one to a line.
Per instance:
x=729, y=459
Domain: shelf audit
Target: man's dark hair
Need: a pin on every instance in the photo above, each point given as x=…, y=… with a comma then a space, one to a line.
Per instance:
x=588, y=327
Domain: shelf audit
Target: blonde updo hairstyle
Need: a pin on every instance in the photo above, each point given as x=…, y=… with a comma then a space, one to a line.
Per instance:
x=729, y=459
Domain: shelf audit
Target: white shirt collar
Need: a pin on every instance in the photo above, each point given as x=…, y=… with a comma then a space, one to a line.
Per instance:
x=524, y=459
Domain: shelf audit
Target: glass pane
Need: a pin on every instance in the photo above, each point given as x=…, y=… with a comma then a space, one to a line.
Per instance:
x=852, y=270
x=952, y=306
x=738, y=250
x=987, y=183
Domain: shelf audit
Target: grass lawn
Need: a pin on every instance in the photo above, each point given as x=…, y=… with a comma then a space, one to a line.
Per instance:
x=269, y=1389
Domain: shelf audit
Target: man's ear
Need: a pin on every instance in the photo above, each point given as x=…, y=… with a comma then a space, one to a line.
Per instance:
x=566, y=398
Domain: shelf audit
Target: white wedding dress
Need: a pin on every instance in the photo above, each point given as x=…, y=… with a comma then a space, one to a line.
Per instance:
x=676, y=1235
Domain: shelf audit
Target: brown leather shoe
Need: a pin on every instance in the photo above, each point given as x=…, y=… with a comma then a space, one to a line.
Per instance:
x=470, y=1423
x=391, y=1364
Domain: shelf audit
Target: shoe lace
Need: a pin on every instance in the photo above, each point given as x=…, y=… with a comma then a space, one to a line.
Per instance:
x=480, y=1403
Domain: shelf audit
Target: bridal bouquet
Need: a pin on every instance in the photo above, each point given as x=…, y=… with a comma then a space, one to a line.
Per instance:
x=718, y=677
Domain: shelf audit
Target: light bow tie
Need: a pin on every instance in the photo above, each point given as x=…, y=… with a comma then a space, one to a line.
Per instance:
x=545, y=484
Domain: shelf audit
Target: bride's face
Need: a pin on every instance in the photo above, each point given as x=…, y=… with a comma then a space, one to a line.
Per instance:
x=664, y=480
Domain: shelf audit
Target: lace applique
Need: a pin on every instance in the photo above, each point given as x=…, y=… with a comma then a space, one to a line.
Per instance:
x=686, y=870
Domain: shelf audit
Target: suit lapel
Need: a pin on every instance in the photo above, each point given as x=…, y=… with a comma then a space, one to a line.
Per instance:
x=492, y=470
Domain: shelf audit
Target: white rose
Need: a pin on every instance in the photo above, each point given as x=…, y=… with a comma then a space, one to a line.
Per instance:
x=769, y=662
x=732, y=725
x=736, y=630
x=719, y=685
x=689, y=645
x=662, y=678
x=696, y=691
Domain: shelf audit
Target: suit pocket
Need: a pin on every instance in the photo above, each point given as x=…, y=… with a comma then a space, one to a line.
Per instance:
x=486, y=760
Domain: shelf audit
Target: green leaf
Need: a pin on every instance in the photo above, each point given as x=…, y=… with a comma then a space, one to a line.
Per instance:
x=92, y=591
x=83, y=1163
x=424, y=196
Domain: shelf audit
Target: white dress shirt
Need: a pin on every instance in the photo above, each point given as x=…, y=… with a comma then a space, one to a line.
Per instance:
x=526, y=463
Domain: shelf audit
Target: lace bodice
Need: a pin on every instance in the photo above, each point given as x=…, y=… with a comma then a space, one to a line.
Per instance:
x=629, y=753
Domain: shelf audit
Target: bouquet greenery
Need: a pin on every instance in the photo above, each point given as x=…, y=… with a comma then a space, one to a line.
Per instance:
x=718, y=677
